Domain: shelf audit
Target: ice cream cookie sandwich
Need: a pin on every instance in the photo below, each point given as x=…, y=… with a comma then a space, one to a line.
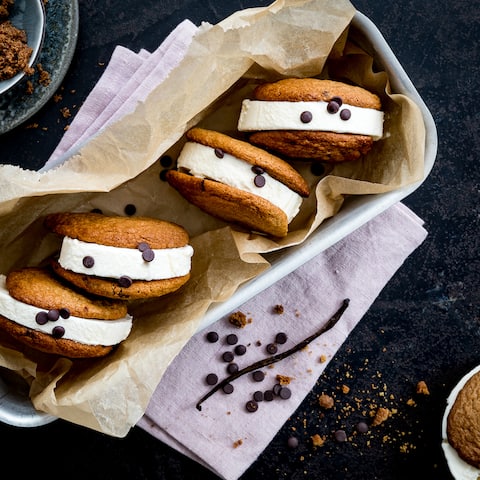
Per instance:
x=121, y=257
x=314, y=119
x=40, y=311
x=237, y=182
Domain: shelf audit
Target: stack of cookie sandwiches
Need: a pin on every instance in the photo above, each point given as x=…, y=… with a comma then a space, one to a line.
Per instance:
x=251, y=183
x=78, y=306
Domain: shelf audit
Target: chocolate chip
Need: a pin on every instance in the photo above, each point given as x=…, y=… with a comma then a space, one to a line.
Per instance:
x=258, y=396
x=281, y=338
x=240, y=350
x=58, y=331
x=276, y=389
x=251, y=406
x=337, y=100
x=258, y=170
x=219, y=153
x=268, y=396
x=271, y=348
x=64, y=312
x=259, y=181
x=148, y=255
x=228, y=356
x=211, y=379
x=285, y=393
x=125, y=281
x=258, y=376
x=306, y=117
x=232, y=368
x=228, y=388
x=166, y=161
x=231, y=339
x=362, y=427
x=212, y=337
x=41, y=318
x=340, y=436
x=88, y=262
x=317, y=169
x=292, y=442
x=53, y=315
x=96, y=210
x=130, y=209
x=142, y=246
x=163, y=175
x=333, y=107
x=345, y=114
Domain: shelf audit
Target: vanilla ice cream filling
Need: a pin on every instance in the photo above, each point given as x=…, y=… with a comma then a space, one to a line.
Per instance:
x=202, y=161
x=258, y=115
x=117, y=262
x=82, y=330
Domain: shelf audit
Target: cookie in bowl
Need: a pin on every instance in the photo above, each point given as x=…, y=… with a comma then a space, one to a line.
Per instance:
x=309, y=118
x=121, y=257
x=237, y=182
x=40, y=311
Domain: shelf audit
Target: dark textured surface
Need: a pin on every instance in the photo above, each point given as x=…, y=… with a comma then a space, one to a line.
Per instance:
x=425, y=325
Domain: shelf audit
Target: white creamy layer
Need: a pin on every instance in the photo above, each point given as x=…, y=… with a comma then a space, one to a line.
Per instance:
x=459, y=468
x=115, y=262
x=257, y=115
x=202, y=162
x=83, y=330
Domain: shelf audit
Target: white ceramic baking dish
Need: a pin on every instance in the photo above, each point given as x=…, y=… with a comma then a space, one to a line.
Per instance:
x=15, y=407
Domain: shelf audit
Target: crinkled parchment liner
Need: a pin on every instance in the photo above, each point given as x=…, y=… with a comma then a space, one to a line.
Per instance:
x=119, y=166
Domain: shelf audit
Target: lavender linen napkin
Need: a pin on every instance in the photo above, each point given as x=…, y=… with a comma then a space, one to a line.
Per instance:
x=224, y=436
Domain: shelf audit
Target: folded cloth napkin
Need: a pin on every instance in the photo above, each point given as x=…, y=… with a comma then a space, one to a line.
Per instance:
x=224, y=436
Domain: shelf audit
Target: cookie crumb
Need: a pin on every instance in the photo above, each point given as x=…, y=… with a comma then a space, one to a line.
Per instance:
x=14, y=51
x=422, y=388
x=239, y=319
x=237, y=443
x=317, y=440
x=325, y=401
x=322, y=359
x=278, y=309
x=380, y=416
x=283, y=379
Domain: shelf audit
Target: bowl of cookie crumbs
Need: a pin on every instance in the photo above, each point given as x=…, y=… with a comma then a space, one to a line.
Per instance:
x=22, y=30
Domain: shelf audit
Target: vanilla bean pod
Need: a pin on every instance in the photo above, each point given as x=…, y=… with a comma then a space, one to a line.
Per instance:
x=276, y=358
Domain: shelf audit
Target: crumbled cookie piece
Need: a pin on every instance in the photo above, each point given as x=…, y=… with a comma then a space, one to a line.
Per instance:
x=325, y=401
x=422, y=388
x=278, y=309
x=14, y=51
x=380, y=416
x=283, y=379
x=317, y=440
x=239, y=319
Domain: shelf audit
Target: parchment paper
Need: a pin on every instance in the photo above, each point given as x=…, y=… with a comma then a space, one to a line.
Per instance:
x=120, y=166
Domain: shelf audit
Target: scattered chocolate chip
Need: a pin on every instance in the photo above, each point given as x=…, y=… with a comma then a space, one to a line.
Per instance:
x=148, y=255
x=219, y=153
x=228, y=356
x=142, y=246
x=228, y=388
x=268, y=396
x=163, y=175
x=362, y=427
x=64, y=312
x=271, y=348
x=281, y=338
x=292, y=442
x=340, y=436
x=130, y=209
x=251, y=406
x=337, y=100
x=276, y=389
x=258, y=376
x=166, y=161
x=41, y=318
x=212, y=337
x=232, y=368
x=259, y=181
x=306, y=117
x=58, y=331
x=96, y=210
x=258, y=396
x=231, y=339
x=317, y=168
x=258, y=170
x=285, y=393
x=345, y=114
x=333, y=107
x=88, y=262
x=53, y=315
x=211, y=379
x=240, y=350
x=125, y=281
